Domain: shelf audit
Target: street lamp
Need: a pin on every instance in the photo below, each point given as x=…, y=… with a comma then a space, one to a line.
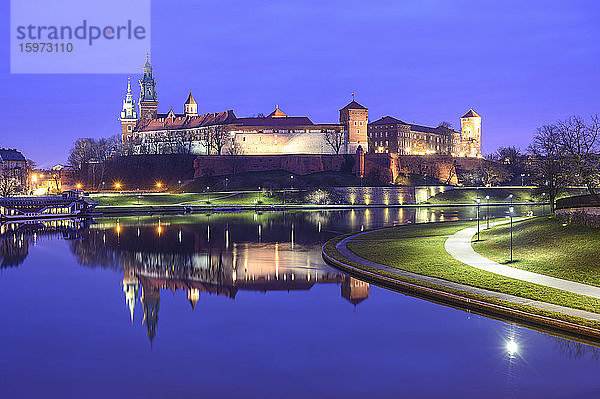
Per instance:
x=522, y=176
x=487, y=210
x=117, y=185
x=259, y=194
x=208, y=194
x=478, y=203
x=543, y=204
x=158, y=185
x=511, y=210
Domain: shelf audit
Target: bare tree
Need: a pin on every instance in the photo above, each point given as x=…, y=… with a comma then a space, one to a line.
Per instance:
x=9, y=184
x=220, y=137
x=580, y=144
x=548, y=167
x=207, y=137
x=335, y=139
x=492, y=173
x=234, y=151
x=445, y=125
x=81, y=152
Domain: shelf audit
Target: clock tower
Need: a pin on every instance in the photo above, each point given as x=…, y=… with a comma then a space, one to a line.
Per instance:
x=148, y=98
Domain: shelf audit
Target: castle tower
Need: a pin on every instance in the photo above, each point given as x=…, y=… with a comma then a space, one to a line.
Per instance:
x=148, y=98
x=151, y=304
x=354, y=290
x=470, y=131
x=128, y=115
x=193, y=295
x=190, y=108
x=354, y=117
x=131, y=287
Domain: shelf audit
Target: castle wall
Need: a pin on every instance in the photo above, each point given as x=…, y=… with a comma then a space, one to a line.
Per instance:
x=381, y=166
x=301, y=164
x=284, y=143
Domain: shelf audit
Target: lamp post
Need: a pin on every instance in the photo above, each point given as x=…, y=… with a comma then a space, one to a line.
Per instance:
x=522, y=177
x=208, y=194
x=259, y=194
x=478, y=203
x=543, y=204
x=487, y=211
x=511, y=209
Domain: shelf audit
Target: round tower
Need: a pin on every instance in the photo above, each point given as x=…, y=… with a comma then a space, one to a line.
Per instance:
x=470, y=131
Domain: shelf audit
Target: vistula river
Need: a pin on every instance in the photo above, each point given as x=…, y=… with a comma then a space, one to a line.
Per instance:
x=242, y=305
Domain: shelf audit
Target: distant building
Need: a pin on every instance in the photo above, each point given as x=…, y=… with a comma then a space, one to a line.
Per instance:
x=392, y=135
x=223, y=132
x=13, y=172
x=57, y=179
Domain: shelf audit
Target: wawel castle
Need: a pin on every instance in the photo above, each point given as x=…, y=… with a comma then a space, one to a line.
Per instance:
x=147, y=131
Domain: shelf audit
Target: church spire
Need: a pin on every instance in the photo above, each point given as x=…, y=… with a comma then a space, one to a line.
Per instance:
x=148, y=96
x=128, y=114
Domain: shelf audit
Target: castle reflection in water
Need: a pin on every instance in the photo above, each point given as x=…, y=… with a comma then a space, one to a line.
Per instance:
x=210, y=255
x=199, y=254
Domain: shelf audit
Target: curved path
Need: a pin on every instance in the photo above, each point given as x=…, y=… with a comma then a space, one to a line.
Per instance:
x=342, y=249
x=458, y=245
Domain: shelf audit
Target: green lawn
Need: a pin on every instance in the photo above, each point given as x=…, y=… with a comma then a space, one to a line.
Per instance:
x=544, y=245
x=469, y=196
x=222, y=198
x=420, y=249
x=497, y=194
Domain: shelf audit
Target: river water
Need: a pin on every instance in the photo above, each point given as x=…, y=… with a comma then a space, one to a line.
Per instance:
x=242, y=304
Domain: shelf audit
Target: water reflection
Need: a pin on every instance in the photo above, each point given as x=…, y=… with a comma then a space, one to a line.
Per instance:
x=211, y=256
x=252, y=297
x=15, y=238
x=218, y=254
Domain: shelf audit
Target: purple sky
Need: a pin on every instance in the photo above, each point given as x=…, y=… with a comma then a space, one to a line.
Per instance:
x=518, y=64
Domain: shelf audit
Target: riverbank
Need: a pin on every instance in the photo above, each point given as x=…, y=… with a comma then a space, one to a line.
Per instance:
x=415, y=255
x=182, y=209
x=495, y=195
x=426, y=195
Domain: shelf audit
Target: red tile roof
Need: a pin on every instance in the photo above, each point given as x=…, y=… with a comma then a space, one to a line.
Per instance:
x=275, y=121
x=172, y=121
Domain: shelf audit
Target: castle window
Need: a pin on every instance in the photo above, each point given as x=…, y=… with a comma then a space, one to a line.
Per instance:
x=129, y=128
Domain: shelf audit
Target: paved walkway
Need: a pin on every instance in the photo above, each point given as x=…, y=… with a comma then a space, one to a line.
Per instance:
x=459, y=247
x=342, y=248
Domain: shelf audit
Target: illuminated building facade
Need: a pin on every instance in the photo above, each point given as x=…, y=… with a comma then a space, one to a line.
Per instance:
x=392, y=135
x=225, y=133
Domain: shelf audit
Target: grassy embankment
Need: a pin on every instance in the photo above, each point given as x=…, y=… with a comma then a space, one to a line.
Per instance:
x=220, y=198
x=420, y=249
x=546, y=246
x=496, y=194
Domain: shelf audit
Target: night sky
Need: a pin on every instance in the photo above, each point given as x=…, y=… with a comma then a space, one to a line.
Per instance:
x=518, y=64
